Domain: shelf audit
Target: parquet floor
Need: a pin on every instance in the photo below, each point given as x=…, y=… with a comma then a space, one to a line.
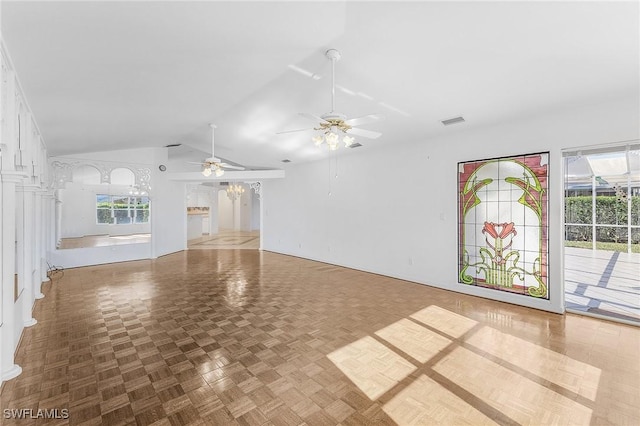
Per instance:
x=243, y=337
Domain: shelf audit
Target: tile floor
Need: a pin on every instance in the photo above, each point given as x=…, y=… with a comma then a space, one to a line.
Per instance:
x=244, y=337
x=227, y=239
x=603, y=282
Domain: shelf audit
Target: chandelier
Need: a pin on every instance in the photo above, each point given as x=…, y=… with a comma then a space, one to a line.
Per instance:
x=135, y=190
x=234, y=191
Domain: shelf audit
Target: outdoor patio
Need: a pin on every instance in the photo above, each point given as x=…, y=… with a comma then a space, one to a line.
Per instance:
x=603, y=282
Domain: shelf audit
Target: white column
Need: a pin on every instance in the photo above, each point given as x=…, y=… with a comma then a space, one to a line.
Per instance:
x=38, y=243
x=3, y=113
x=48, y=232
x=3, y=287
x=24, y=226
x=236, y=214
x=58, y=215
x=9, y=179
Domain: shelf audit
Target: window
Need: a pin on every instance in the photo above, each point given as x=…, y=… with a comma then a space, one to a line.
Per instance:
x=121, y=209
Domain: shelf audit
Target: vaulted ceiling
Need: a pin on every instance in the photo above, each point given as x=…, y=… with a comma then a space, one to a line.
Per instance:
x=113, y=75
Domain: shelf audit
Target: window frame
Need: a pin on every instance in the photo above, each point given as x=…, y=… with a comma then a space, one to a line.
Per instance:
x=132, y=204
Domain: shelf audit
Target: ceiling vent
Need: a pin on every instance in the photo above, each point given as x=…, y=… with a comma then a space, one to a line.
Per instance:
x=355, y=145
x=173, y=145
x=286, y=160
x=453, y=120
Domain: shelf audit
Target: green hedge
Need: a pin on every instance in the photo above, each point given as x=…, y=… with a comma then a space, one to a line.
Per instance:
x=609, y=211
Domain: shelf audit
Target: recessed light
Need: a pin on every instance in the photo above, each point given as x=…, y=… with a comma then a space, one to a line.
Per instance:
x=453, y=120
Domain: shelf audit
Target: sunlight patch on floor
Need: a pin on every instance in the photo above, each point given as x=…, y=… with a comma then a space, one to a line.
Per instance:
x=521, y=399
x=414, y=339
x=446, y=321
x=533, y=384
x=569, y=373
x=425, y=402
x=371, y=366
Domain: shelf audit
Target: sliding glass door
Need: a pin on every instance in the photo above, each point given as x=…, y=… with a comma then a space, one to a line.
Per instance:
x=602, y=231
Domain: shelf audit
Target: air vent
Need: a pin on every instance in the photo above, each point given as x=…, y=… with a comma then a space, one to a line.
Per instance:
x=286, y=160
x=172, y=145
x=451, y=121
x=355, y=145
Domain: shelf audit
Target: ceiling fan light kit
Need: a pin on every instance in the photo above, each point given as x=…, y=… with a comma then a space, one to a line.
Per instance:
x=213, y=165
x=334, y=124
x=212, y=168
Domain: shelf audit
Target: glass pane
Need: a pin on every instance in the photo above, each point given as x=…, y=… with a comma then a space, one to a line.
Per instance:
x=578, y=233
x=121, y=216
x=142, y=216
x=635, y=210
x=610, y=210
x=104, y=216
x=121, y=202
x=578, y=209
x=140, y=202
x=610, y=234
x=103, y=201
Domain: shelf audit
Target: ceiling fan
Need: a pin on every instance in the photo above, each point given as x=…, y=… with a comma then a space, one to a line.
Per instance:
x=212, y=164
x=332, y=123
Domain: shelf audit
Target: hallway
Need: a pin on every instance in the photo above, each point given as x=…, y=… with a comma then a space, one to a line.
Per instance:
x=248, y=337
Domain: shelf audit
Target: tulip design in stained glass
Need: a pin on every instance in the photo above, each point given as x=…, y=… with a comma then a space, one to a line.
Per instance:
x=503, y=223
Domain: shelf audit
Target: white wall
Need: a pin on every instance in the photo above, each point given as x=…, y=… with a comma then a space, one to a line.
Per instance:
x=168, y=210
x=73, y=258
x=225, y=211
x=393, y=210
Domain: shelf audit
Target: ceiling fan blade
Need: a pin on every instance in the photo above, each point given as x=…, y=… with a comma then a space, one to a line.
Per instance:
x=293, y=131
x=366, y=119
x=313, y=117
x=193, y=162
x=364, y=133
x=229, y=166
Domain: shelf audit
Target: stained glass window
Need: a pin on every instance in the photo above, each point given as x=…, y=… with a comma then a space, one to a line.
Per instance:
x=503, y=224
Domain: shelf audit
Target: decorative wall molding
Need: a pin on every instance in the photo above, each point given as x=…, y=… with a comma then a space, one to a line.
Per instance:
x=13, y=176
x=257, y=188
x=62, y=172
